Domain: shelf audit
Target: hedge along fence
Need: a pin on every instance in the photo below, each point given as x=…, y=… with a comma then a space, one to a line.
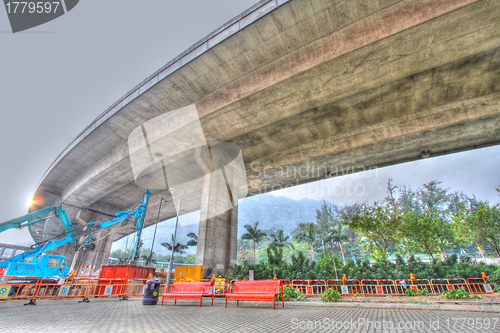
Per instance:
x=323, y=268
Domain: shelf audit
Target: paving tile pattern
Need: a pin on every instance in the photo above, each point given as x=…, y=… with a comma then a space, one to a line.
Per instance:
x=113, y=316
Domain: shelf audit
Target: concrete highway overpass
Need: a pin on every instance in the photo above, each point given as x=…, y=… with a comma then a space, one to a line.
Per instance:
x=316, y=84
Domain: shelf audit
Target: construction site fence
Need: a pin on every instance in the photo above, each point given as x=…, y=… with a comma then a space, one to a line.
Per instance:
x=46, y=288
x=33, y=288
x=381, y=287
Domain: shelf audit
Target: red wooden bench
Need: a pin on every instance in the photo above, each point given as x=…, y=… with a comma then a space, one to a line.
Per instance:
x=189, y=290
x=260, y=290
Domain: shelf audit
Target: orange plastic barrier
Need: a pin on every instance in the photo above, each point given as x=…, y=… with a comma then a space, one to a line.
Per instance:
x=345, y=287
x=135, y=287
x=309, y=287
x=109, y=287
x=441, y=285
x=13, y=287
x=479, y=286
x=379, y=287
x=64, y=288
x=458, y=283
x=417, y=284
x=221, y=286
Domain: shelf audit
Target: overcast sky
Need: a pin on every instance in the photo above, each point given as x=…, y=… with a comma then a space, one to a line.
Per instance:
x=55, y=79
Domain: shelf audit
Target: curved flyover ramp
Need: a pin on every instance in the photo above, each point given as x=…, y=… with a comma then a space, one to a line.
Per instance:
x=300, y=85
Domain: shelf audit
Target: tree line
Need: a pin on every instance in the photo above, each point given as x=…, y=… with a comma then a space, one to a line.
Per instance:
x=430, y=220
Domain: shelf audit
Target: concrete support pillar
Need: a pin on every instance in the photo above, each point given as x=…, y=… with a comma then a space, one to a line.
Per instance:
x=217, y=234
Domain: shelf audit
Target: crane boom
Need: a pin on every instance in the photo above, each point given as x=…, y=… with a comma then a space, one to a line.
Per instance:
x=27, y=219
x=138, y=212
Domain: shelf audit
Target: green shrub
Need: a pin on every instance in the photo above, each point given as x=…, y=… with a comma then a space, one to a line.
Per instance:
x=460, y=293
x=330, y=295
x=289, y=293
x=410, y=292
x=495, y=280
x=423, y=292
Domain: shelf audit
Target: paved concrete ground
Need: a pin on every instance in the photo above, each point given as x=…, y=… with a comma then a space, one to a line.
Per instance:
x=111, y=315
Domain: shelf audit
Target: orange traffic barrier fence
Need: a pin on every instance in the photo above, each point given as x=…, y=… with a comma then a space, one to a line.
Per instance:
x=309, y=287
x=13, y=287
x=379, y=287
x=458, y=283
x=300, y=285
x=163, y=284
x=33, y=288
x=109, y=287
x=479, y=286
x=64, y=288
x=135, y=287
x=417, y=284
x=345, y=287
x=441, y=285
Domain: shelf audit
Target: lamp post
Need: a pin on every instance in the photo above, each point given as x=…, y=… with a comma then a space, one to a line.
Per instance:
x=172, y=191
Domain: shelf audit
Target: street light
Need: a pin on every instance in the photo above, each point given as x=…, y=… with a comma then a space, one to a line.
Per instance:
x=172, y=191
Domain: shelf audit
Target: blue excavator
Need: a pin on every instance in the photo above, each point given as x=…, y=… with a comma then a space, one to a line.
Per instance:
x=37, y=264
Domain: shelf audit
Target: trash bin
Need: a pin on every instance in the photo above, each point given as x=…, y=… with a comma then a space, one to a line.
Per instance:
x=151, y=291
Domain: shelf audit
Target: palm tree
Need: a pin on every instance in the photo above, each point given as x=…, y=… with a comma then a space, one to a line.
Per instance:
x=149, y=258
x=254, y=234
x=194, y=239
x=178, y=248
x=278, y=239
x=337, y=236
x=307, y=232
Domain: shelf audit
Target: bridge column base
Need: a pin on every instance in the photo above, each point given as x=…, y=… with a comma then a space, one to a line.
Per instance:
x=217, y=242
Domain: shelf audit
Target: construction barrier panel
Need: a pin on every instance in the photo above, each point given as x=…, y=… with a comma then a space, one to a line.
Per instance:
x=439, y=286
x=13, y=287
x=459, y=283
x=479, y=286
x=379, y=287
x=417, y=284
x=221, y=286
x=109, y=287
x=300, y=285
x=309, y=287
x=135, y=287
x=345, y=287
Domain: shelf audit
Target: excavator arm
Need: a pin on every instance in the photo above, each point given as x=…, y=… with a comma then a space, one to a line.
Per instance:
x=138, y=212
x=28, y=219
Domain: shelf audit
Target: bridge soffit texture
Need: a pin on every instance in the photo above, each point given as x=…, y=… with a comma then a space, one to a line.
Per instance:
x=332, y=83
